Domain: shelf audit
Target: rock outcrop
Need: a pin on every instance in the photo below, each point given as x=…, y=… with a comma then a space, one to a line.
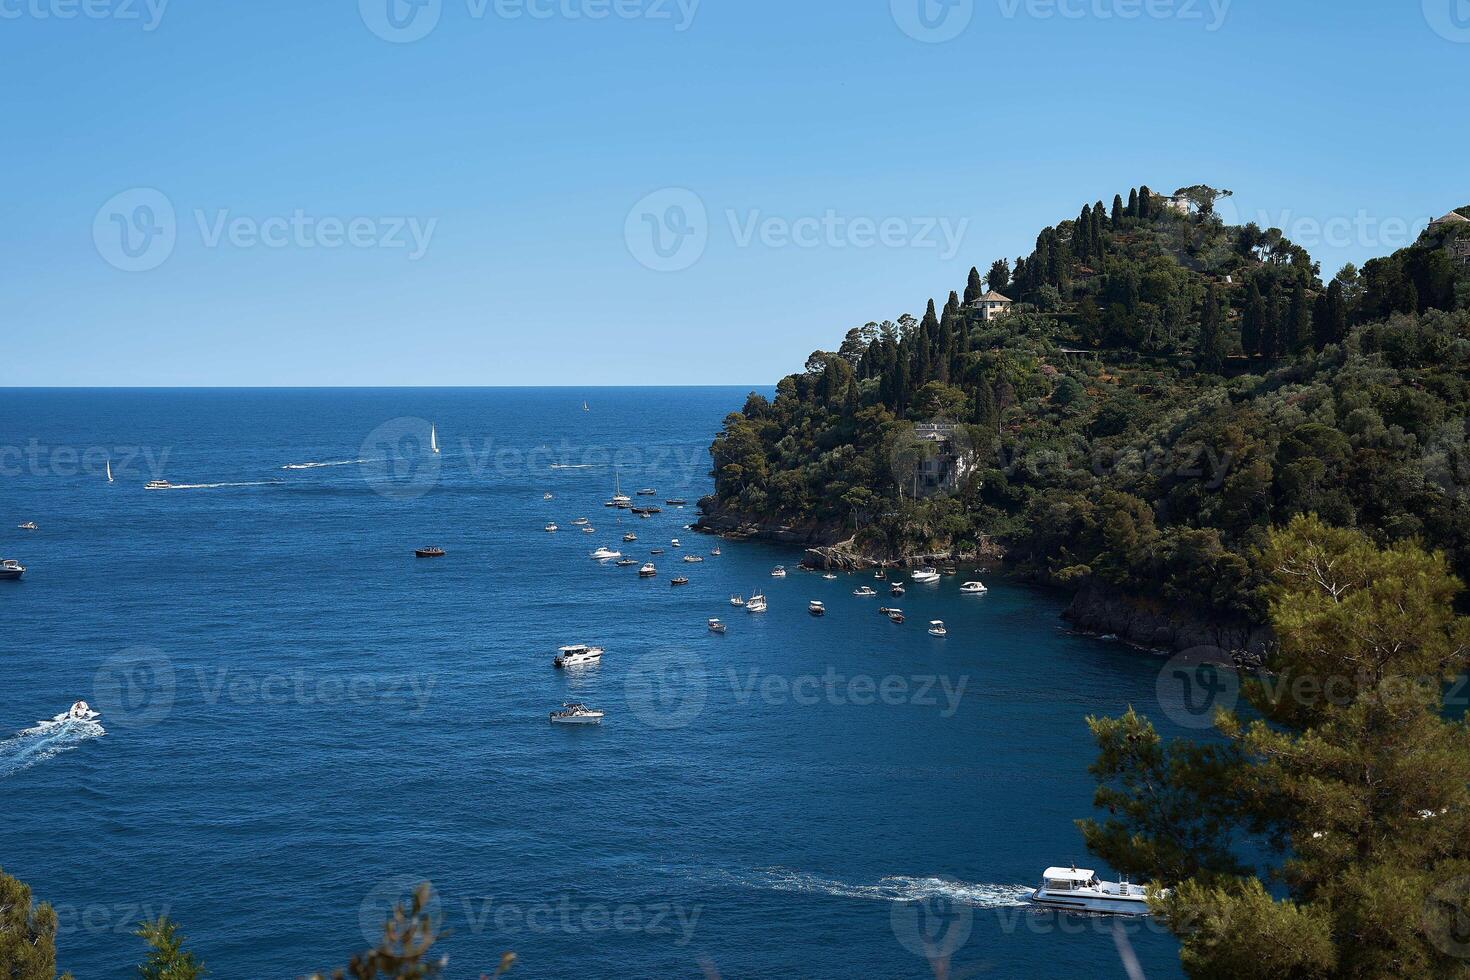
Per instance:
x=1099, y=609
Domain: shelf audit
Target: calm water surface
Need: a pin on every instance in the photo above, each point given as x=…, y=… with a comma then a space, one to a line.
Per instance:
x=300, y=718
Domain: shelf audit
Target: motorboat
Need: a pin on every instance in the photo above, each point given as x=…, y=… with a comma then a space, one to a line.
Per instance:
x=647, y=571
x=678, y=580
x=715, y=626
x=895, y=616
x=655, y=551
x=881, y=574
x=625, y=562
x=547, y=496
x=949, y=570
x=589, y=530
x=430, y=552
x=27, y=526
x=579, y=655
x=756, y=603
x=605, y=554
x=897, y=589
x=581, y=522
x=737, y=601
x=778, y=572
x=715, y=553
x=925, y=575
x=693, y=559
x=552, y=529
x=864, y=593
x=816, y=608
x=577, y=714
x=973, y=588
x=630, y=537
x=644, y=517
x=10, y=570
x=936, y=628
x=675, y=544
x=647, y=492
x=82, y=711
x=157, y=485
x=676, y=502
x=1079, y=890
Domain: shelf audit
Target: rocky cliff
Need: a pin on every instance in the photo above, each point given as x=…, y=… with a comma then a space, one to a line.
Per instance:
x=1099, y=609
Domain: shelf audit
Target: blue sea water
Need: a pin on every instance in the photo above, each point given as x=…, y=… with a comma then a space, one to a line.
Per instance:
x=300, y=719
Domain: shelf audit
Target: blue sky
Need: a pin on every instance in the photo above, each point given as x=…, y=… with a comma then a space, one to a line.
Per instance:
x=353, y=203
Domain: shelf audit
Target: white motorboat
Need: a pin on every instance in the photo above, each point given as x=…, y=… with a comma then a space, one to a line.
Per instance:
x=605, y=554
x=647, y=492
x=778, y=572
x=974, y=588
x=715, y=626
x=756, y=603
x=10, y=570
x=625, y=562
x=27, y=526
x=816, y=608
x=548, y=496
x=864, y=593
x=581, y=522
x=737, y=601
x=897, y=589
x=157, y=485
x=830, y=577
x=630, y=537
x=589, y=530
x=647, y=571
x=577, y=714
x=925, y=575
x=715, y=553
x=82, y=711
x=552, y=529
x=578, y=655
x=693, y=559
x=675, y=544
x=1079, y=890
x=433, y=440
x=936, y=628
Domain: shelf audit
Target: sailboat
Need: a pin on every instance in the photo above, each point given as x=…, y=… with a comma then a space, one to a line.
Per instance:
x=433, y=440
x=585, y=408
x=619, y=498
x=109, y=470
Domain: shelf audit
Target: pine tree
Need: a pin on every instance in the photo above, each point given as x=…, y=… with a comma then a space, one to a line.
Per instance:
x=167, y=958
x=999, y=277
x=27, y=934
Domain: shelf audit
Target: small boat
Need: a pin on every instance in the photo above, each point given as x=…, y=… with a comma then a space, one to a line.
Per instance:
x=605, y=554
x=864, y=593
x=10, y=570
x=778, y=572
x=925, y=575
x=881, y=574
x=679, y=580
x=625, y=563
x=884, y=610
x=27, y=526
x=675, y=544
x=949, y=570
x=737, y=601
x=895, y=616
x=630, y=537
x=585, y=407
x=973, y=588
x=816, y=608
x=655, y=551
x=577, y=714
x=589, y=530
x=715, y=553
x=647, y=571
x=1079, y=890
x=897, y=589
x=430, y=552
x=715, y=626
x=552, y=529
x=82, y=711
x=109, y=469
x=676, y=502
x=936, y=628
x=547, y=496
x=693, y=559
x=157, y=485
x=756, y=603
x=581, y=522
x=579, y=655
x=646, y=492
x=433, y=440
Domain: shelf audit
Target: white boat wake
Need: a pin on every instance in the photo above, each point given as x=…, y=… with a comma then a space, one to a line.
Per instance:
x=317, y=466
x=577, y=466
x=46, y=741
x=896, y=888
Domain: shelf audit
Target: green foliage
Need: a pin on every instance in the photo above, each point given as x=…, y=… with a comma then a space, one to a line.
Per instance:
x=27, y=934
x=1348, y=775
x=167, y=958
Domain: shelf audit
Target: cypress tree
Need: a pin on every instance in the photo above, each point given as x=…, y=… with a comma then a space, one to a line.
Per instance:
x=1253, y=323
x=1300, y=336
x=973, y=289
x=1117, y=210
x=1211, y=334
x=1145, y=203
x=1133, y=203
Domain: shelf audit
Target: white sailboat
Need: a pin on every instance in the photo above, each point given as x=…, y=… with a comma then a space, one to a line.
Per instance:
x=433, y=440
x=109, y=469
x=585, y=408
x=619, y=499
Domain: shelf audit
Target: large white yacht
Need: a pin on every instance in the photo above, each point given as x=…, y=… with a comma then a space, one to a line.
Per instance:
x=925, y=575
x=1079, y=890
x=577, y=656
x=756, y=603
x=10, y=569
x=605, y=554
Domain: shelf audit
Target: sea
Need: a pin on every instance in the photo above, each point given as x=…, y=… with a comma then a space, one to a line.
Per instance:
x=301, y=721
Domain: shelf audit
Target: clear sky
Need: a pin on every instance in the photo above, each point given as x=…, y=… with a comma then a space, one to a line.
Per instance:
x=487, y=192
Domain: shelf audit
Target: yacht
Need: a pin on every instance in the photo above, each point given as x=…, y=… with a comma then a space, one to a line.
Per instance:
x=82, y=711
x=157, y=485
x=10, y=569
x=715, y=626
x=1079, y=890
x=647, y=571
x=693, y=559
x=620, y=499
x=434, y=440
x=737, y=601
x=974, y=588
x=897, y=590
x=430, y=552
x=756, y=603
x=864, y=593
x=577, y=714
x=936, y=628
x=778, y=572
x=679, y=580
x=605, y=554
x=925, y=575
x=630, y=536
x=552, y=529
x=578, y=655
x=27, y=526
x=816, y=608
